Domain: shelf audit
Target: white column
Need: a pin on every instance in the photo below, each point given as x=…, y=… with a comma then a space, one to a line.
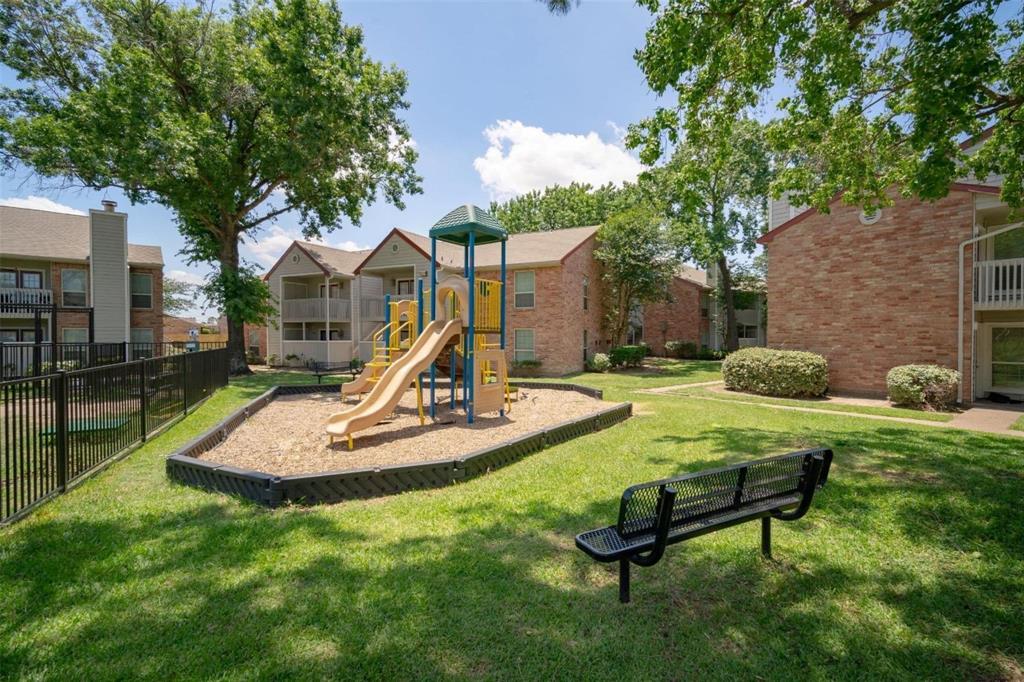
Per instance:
x=327, y=315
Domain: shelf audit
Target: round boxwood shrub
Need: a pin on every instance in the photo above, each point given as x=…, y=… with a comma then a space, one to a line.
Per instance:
x=783, y=373
x=923, y=386
x=599, y=363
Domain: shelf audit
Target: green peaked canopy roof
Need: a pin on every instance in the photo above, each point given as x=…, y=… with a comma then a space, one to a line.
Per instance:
x=468, y=219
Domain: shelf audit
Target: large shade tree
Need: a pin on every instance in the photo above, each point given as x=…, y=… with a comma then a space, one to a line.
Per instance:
x=879, y=92
x=560, y=206
x=229, y=118
x=640, y=254
x=715, y=200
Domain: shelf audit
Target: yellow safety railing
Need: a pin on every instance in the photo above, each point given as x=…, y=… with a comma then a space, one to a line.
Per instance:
x=488, y=305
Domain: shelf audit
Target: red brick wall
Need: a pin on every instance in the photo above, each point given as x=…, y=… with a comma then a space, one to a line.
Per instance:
x=675, y=320
x=558, y=318
x=151, y=318
x=68, y=320
x=262, y=330
x=870, y=297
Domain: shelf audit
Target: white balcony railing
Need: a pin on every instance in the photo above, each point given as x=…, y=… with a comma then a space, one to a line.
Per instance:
x=20, y=296
x=999, y=284
x=316, y=309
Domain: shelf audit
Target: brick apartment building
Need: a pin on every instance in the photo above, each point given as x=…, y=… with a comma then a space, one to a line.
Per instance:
x=331, y=301
x=75, y=261
x=917, y=282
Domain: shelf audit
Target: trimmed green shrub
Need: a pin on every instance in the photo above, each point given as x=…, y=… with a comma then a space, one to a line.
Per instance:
x=626, y=356
x=681, y=349
x=599, y=363
x=525, y=368
x=923, y=386
x=706, y=353
x=782, y=373
x=646, y=347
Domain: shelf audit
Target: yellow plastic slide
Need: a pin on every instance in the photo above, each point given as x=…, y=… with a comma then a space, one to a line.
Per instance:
x=388, y=390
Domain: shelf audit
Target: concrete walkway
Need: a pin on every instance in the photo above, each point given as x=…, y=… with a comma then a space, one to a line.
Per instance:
x=986, y=417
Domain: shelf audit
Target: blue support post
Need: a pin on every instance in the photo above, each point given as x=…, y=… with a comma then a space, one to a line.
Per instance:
x=501, y=336
x=433, y=315
x=469, y=379
x=501, y=332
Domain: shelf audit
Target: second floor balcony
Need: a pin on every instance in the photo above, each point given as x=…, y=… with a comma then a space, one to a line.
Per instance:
x=316, y=310
x=999, y=284
x=12, y=298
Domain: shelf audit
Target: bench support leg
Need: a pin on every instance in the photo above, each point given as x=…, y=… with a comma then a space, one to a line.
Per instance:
x=766, y=537
x=624, y=581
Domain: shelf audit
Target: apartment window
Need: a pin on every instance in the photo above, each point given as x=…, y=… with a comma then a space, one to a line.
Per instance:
x=404, y=287
x=254, y=341
x=72, y=287
x=142, y=290
x=8, y=335
x=586, y=343
x=524, y=289
x=747, y=331
x=31, y=279
x=335, y=291
x=141, y=335
x=586, y=293
x=335, y=335
x=8, y=278
x=522, y=345
x=74, y=335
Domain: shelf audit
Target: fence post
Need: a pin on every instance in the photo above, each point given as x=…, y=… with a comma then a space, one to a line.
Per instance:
x=184, y=382
x=124, y=351
x=60, y=398
x=143, y=400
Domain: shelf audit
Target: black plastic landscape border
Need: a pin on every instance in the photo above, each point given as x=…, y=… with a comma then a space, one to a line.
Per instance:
x=185, y=466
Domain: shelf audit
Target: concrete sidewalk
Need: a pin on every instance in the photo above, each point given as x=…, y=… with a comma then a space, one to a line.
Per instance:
x=985, y=417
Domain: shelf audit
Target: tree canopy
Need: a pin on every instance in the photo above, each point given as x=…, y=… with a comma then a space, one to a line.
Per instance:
x=883, y=91
x=560, y=206
x=640, y=256
x=229, y=118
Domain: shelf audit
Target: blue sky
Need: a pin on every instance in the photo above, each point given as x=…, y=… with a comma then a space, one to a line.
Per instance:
x=505, y=98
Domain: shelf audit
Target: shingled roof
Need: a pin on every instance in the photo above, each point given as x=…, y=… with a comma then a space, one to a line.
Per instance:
x=33, y=233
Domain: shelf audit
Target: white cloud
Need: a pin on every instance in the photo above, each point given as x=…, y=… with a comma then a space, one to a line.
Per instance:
x=39, y=203
x=186, y=276
x=270, y=245
x=522, y=158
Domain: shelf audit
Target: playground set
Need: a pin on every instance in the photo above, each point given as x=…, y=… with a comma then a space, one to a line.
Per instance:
x=273, y=452
x=461, y=316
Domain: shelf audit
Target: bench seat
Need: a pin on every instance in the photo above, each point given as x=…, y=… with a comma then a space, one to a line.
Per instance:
x=605, y=544
x=657, y=514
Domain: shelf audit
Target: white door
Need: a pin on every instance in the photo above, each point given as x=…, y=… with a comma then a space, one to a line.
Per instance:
x=1001, y=358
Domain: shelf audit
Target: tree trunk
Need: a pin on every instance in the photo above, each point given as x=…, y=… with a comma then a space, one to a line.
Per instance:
x=237, y=365
x=732, y=340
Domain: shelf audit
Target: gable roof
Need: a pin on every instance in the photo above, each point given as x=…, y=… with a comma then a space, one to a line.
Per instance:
x=800, y=217
x=33, y=233
x=692, y=274
x=337, y=261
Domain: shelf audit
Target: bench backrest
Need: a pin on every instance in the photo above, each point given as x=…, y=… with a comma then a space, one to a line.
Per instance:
x=717, y=491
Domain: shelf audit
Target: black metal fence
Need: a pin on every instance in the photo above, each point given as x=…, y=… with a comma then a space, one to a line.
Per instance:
x=57, y=429
x=18, y=360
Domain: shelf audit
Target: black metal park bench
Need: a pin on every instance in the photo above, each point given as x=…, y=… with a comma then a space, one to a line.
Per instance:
x=322, y=369
x=661, y=513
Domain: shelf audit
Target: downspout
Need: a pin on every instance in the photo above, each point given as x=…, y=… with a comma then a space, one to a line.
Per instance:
x=960, y=309
x=327, y=315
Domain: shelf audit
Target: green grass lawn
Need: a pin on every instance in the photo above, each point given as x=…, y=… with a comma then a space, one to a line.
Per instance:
x=910, y=565
x=657, y=372
x=821, y=405
x=1019, y=424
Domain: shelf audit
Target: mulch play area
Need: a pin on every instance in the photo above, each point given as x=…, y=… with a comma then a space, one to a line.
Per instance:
x=287, y=436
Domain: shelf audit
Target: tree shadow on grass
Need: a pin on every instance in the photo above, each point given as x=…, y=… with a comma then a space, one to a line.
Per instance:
x=493, y=590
